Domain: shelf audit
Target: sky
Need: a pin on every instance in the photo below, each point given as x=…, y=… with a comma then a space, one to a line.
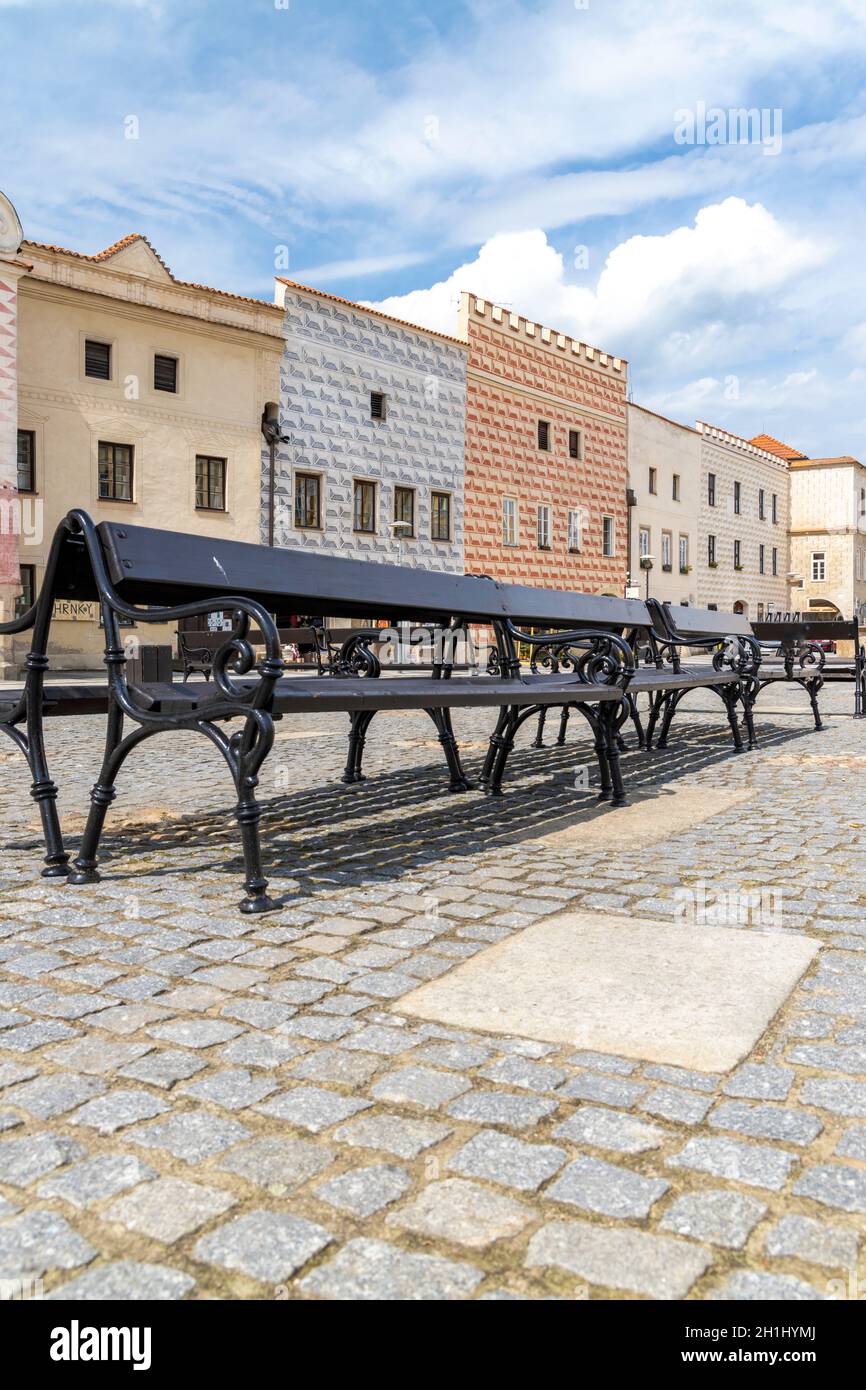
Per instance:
x=579, y=161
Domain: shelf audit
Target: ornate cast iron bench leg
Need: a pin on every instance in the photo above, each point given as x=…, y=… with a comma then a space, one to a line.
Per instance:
x=563, y=725
x=538, y=741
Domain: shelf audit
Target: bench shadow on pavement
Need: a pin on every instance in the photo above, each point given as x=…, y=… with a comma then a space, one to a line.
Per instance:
x=400, y=821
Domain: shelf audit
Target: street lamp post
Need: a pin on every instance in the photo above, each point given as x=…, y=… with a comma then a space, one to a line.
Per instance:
x=646, y=563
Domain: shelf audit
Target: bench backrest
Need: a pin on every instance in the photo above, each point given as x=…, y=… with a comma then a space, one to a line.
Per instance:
x=791, y=633
x=684, y=621
x=148, y=566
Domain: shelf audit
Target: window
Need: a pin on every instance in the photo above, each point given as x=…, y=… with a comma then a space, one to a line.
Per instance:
x=774, y=559
x=684, y=554
x=365, y=506
x=711, y=489
x=509, y=521
x=574, y=444
x=97, y=359
x=574, y=530
x=653, y=481
x=26, y=461
x=308, y=501
x=164, y=373
x=762, y=551
x=27, y=599
x=440, y=516
x=774, y=508
x=737, y=564
x=667, y=550
x=737, y=497
x=544, y=527
x=544, y=434
x=607, y=535
x=760, y=612
x=711, y=550
x=761, y=508
x=819, y=565
x=210, y=483
x=404, y=512
x=676, y=488
x=377, y=410
x=643, y=542
x=115, y=472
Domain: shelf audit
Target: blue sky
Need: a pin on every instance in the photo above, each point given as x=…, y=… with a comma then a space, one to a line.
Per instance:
x=398, y=152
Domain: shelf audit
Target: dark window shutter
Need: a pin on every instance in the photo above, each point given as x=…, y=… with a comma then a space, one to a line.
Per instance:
x=164, y=373
x=573, y=444
x=377, y=405
x=543, y=434
x=97, y=360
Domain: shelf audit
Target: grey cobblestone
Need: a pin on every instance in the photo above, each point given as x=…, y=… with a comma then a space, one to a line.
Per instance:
x=390, y=1134
x=419, y=1086
x=310, y=1107
x=372, y=1270
x=750, y=1286
x=813, y=1241
x=192, y=1137
x=266, y=1245
x=96, y=1178
x=38, y=1241
x=168, y=1208
x=462, y=1212
x=530, y=1076
x=753, y=1164
x=364, y=1191
x=767, y=1122
x=722, y=1218
x=46, y=1096
x=502, y=1108
x=125, y=1281
x=834, y=1185
x=117, y=1110
x=634, y=1261
x=610, y=1129
x=669, y=1103
x=594, y=1185
x=512, y=1162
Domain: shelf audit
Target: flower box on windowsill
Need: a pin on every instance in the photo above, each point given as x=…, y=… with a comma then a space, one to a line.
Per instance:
x=574, y=550
x=667, y=568
x=685, y=569
x=713, y=564
x=738, y=568
x=544, y=547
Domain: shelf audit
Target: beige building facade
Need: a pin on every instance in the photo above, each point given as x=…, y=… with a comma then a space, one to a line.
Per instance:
x=828, y=536
x=743, y=518
x=664, y=470
x=140, y=399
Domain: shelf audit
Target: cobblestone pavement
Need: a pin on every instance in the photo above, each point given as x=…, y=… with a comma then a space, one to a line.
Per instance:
x=197, y=1104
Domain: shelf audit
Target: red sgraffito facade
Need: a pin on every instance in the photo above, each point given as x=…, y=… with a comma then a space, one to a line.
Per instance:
x=520, y=374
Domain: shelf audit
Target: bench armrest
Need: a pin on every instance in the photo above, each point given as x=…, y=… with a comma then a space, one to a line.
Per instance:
x=596, y=657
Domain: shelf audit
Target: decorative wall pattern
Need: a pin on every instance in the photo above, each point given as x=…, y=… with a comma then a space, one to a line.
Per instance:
x=520, y=373
x=335, y=355
x=8, y=429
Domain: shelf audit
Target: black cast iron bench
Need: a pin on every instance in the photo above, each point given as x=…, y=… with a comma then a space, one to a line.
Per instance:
x=147, y=576
x=794, y=646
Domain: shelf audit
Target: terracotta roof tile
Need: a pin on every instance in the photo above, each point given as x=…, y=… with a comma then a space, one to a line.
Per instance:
x=775, y=446
x=109, y=251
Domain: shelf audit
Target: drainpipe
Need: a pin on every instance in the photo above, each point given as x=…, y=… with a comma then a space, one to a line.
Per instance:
x=630, y=501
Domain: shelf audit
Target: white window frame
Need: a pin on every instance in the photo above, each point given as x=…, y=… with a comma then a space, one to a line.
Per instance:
x=509, y=521
x=608, y=536
x=667, y=549
x=644, y=542
x=575, y=529
x=684, y=551
x=544, y=526
x=818, y=562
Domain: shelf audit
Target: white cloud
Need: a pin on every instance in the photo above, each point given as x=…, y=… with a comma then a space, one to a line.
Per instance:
x=684, y=283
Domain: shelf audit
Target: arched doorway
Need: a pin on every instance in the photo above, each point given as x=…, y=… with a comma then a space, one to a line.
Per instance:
x=741, y=607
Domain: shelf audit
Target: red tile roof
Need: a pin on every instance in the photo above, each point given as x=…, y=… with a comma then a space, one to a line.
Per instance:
x=775, y=446
x=100, y=256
